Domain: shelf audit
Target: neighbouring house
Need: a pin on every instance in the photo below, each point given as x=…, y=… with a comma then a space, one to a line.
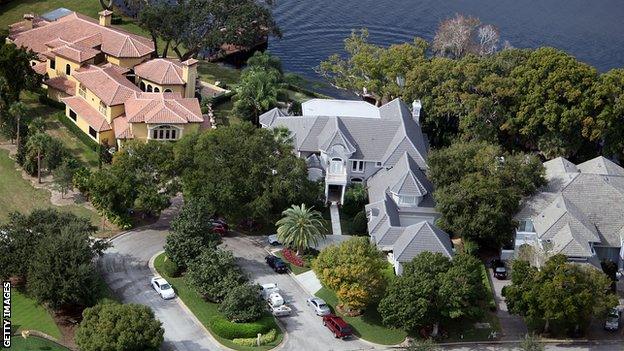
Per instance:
x=104, y=74
x=579, y=213
x=382, y=147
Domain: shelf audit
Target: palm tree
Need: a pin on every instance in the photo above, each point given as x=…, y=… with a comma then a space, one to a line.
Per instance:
x=300, y=227
x=18, y=110
x=37, y=144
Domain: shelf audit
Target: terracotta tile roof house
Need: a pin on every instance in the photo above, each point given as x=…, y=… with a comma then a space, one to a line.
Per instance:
x=92, y=116
x=161, y=71
x=83, y=33
x=353, y=141
x=578, y=213
x=157, y=108
x=106, y=83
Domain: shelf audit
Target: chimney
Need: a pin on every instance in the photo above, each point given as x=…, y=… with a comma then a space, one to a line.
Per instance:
x=105, y=17
x=28, y=21
x=189, y=76
x=416, y=106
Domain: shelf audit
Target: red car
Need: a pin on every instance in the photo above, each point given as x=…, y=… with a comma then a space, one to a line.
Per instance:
x=338, y=326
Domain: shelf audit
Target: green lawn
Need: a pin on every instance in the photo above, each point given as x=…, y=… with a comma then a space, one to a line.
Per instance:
x=212, y=72
x=367, y=326
x=206, y=311
x=295, y=269
x=28, y=315
x=34, y=343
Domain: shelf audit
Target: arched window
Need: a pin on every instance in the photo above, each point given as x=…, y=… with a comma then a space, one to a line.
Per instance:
x=164, y=132
x=168, y=91
x=68, y=69
x=335, y=166
x=156, y=90
x=356, y=180
x=142, y=86
x=149, y=88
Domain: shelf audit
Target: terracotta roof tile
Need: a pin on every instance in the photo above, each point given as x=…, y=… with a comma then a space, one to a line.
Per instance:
x=106, y=83
x=63, y=84
x=94, y=118
x=75, y=53
x=163, y=108
x=122, y=128
x=88, y=32
x=40, y=67
x=161, y=71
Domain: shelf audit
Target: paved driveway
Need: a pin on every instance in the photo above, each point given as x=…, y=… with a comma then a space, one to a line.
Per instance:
x=513, y=327
x=125, y=269
x=305, y=329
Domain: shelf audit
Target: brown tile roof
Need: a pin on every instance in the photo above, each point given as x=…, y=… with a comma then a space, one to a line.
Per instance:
x=75, y=52
x=121, y=70
x=163, y=108
x=85, y=32
x=40, y=67
x=161, y=71
x=94, y=118
x=122, y=128
x=106, y=83
x=63, y=84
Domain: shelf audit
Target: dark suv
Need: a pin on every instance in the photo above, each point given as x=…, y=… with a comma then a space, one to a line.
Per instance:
x=500, y=271
x=276, y=263
x=337, y=326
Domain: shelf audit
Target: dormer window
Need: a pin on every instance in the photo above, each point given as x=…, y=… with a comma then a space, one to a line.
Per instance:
x=408, y=200
x=102, y=108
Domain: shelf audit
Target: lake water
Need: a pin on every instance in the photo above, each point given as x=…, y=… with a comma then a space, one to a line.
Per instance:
x=591, y=30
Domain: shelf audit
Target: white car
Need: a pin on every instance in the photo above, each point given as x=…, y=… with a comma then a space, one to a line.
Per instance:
x=273, y=240
x=164, y=289
x=267, y=289
x=319, y=306
x=613, y=320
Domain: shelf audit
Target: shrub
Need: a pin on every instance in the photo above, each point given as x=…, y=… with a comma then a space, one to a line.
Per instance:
x=171, y=268
x=44, y=99
x=359, y=226
x=214, y=273
x=250, y=342
x=243, y=303
x=354, y=200
x=81, y=180
x=230, y=330
x=489, y=298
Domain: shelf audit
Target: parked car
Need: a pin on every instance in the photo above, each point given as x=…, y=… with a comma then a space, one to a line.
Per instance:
x=319, y=306
x=220, y=222
x=267, y=289
x=337, y=326
x=280, y=311
x=500, y=271
x=276, y=263
x=163, y=288
x=218, y=228
x=273, y=240
x=613, y=320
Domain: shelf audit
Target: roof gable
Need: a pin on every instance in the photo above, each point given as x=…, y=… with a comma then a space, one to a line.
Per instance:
x=419, y=238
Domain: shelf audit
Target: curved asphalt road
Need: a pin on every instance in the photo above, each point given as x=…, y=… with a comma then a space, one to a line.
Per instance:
x=125, y=269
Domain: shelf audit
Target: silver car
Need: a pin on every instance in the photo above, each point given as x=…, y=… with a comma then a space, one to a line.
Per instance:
x=319, y=306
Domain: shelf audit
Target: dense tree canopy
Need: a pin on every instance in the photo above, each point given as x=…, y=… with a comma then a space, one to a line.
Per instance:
x=243, y=303
x=433, y=289
x=213, y=273
x=479, y=187
x=17, y=72
x=199, y=27
x=354, y=270
x=117, y=327
x=243, y=172
x=559, y=298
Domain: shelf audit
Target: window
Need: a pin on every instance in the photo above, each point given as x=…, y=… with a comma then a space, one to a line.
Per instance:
x=149, y=88
x=72, y=114
x=142, y=86
x=68, y=69
x=33, y=63
x=156, y=90
x=378, y=164
x=165, y=133
x=335, y=166
x=82, y=92
x=526, y=225
x=407, y=200
x=168, y=91
x=356, y=180
x=357, y=166
x=52, y=64
x=92, y=133
x=102, y=108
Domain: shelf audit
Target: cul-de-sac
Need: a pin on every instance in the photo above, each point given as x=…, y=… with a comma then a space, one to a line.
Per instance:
x=192, y=175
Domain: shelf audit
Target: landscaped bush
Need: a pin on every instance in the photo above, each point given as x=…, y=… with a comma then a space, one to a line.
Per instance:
x=243, y=303
x=81, y=180
x=264, y=339
x=359, y=226
x=171, y=268
x=230, y=330
x=355, y=199
x=44, y=99
x=292, y=257
x=489, y=299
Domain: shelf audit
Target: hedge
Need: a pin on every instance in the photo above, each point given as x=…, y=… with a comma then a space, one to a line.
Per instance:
x=92, y=144
x=250, y=342
x=489, y=299
x=230, y=330
x=220, y=99
x=44, y=99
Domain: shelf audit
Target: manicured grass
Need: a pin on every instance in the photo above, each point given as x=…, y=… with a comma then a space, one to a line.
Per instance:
x=34, y=343
x=212, y=72
x=367, y=326
x=28, y=315
x=206, y=311
x=295, y=269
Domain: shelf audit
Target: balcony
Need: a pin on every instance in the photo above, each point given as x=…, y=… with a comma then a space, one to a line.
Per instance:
x=336, y=178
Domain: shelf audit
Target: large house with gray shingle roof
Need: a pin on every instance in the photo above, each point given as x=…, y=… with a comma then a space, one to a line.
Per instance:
x=383, y=147
x=579, y=213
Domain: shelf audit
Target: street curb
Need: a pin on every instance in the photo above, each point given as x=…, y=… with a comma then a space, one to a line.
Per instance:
x=183, y=305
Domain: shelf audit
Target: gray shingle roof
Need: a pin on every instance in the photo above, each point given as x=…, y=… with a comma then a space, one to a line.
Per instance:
x=419, y=238
x=601, y=165
x=566, y=241
x=270, y=116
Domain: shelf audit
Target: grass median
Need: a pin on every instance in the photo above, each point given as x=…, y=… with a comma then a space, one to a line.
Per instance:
x=209, y=315
x=33, y=343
